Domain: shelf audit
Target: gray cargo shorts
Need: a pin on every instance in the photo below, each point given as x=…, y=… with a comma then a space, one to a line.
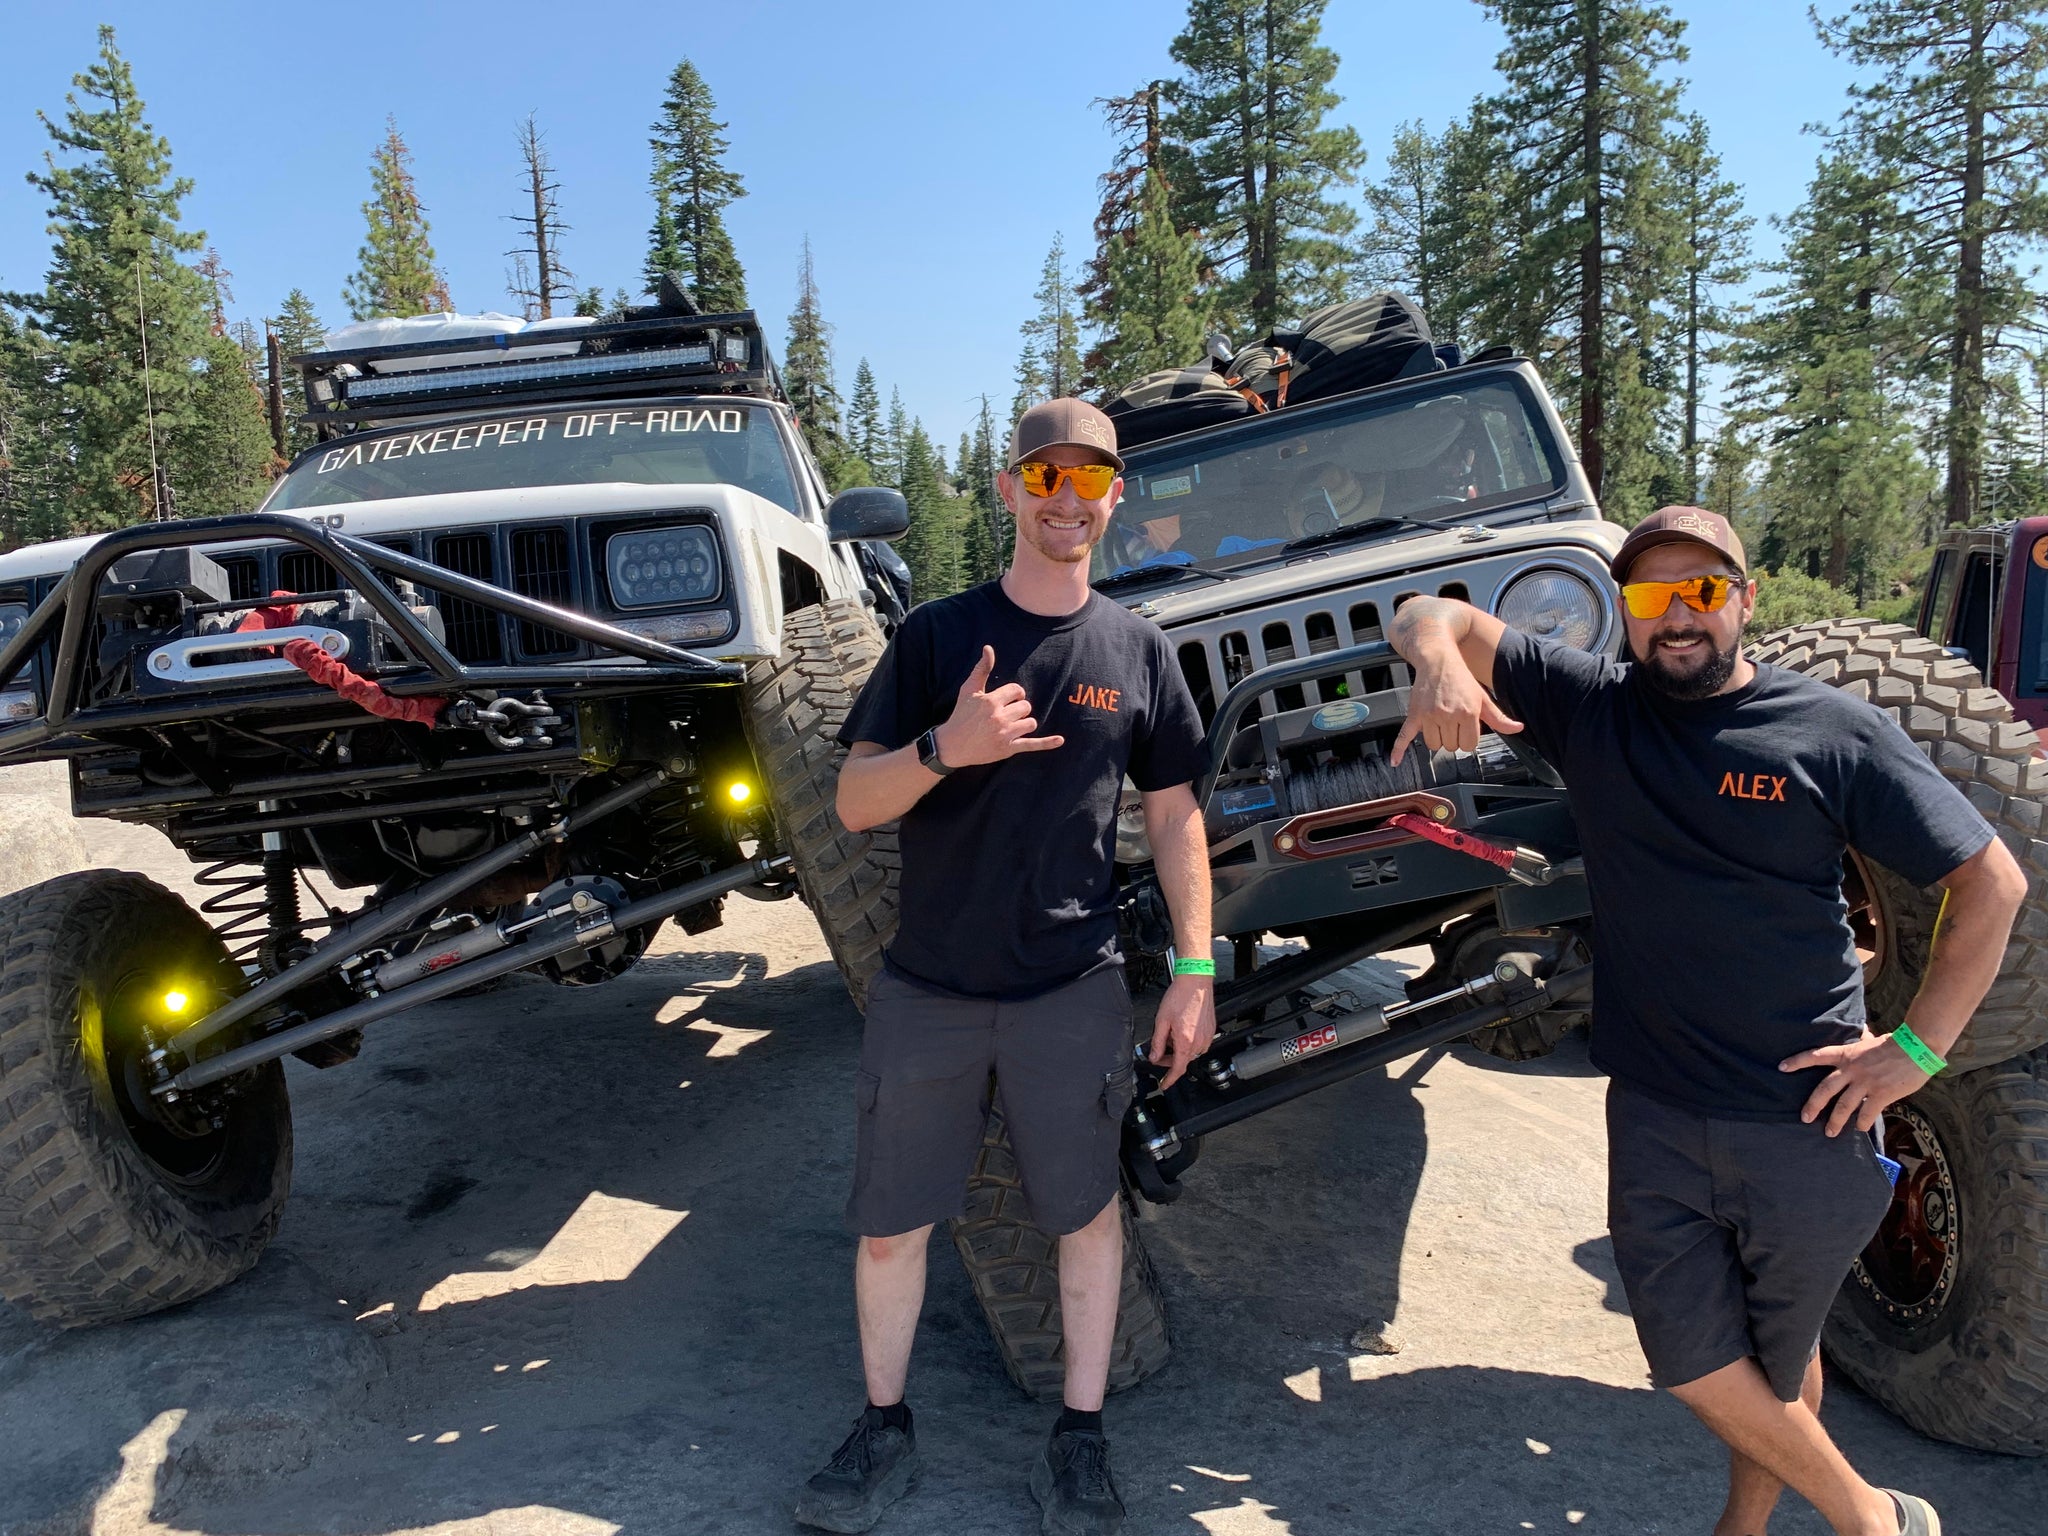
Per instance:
x=1060, y=1064
x=1733, y=1236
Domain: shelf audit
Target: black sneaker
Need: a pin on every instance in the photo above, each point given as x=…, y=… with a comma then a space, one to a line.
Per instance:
x=873, y=1469
x=1074, y=1489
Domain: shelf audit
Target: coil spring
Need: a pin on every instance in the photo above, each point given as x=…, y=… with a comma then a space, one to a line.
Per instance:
x=254, y=908
x=671, y=836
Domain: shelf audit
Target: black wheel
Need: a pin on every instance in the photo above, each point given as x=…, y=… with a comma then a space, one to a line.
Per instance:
x=795, y=707
x=1015, y=1271
x=113, y=1205
x=1469, y=948
x=1945, y=1316
x=1969, y=733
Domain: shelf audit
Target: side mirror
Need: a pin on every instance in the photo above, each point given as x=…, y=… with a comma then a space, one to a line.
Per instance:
x=868, y=512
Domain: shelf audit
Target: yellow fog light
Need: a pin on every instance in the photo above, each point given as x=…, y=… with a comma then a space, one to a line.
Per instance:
x=175, y=1001
x=739, y=792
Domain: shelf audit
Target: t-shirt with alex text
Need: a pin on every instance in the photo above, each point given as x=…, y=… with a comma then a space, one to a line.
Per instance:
x=1713, y=832
x=1008, y=883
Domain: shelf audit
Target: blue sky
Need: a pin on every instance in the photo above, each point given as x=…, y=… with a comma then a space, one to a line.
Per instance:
x=930, y=151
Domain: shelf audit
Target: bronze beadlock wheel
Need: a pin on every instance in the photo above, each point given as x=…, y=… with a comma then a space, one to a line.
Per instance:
x=1909, y=1268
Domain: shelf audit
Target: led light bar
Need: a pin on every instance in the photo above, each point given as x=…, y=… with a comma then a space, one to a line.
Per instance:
x=379, y=387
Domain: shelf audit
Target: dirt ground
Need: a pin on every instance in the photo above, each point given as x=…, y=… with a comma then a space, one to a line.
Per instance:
x=569, y=1263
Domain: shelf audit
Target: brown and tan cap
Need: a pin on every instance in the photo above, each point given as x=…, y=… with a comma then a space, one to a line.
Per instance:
x=1067, y=423
x=1674, y=525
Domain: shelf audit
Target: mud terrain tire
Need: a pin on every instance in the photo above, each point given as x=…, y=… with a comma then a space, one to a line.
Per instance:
x=794, y=708
x=1944, y=1319
x=106, y=1211
x=1015, y=1271
x=1969, y=733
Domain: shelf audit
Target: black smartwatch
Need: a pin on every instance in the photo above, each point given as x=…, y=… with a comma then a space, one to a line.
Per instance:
x=928, y=752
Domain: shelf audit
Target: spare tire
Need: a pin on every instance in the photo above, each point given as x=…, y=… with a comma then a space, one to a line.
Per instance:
x=1969, y=733
x=1944, y=1318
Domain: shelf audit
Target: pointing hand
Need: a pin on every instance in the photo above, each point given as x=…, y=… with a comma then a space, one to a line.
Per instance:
x=988, y=725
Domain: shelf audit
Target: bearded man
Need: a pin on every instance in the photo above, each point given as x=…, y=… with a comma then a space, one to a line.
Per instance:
x=1717, y=799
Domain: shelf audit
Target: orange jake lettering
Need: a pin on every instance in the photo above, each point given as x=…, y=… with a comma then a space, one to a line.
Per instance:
x=1088, y=696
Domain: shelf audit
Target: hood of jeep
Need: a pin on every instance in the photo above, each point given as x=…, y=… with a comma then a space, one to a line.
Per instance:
x=455, y=509
x=1320, y=573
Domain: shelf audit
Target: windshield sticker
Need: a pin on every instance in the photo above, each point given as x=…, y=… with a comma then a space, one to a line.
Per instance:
x=530, y=429
x=1177, y=485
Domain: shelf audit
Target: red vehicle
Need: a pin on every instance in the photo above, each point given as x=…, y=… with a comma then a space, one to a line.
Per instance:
x=1998, y=625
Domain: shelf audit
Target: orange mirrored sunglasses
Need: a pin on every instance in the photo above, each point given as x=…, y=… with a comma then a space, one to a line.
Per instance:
x=1702, y=594
x=1090, y=481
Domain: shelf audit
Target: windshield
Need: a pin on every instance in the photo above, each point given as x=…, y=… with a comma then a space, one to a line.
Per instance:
x=696, y=444
x=1243, y=498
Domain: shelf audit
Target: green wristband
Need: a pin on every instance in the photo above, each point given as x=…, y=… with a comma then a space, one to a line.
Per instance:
x=1917, y=1050
x=1194, y=967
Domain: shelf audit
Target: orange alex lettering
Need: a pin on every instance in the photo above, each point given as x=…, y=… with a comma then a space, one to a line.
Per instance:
x=1752, y=786
x=1088, y=696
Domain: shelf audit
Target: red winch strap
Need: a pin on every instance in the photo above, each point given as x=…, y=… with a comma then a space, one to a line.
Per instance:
x=332, y=672
x=1452, y=838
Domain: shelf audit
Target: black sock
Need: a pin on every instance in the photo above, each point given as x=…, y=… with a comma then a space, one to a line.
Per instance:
x=895, y=1416
x=1087, y=1421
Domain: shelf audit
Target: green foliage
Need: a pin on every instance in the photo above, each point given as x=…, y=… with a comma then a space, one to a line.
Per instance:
x=1049, y=366
x=932, y=547
x=34, y=462
x=807, y=373
x=989, y=529
x=1147, y=308
x=1713, y=256
x=864, y=416
x=1263, y=168
x=220, y=457
x=96, y=419
x=395, y=272
x=1409, y=245
x=692, y=189
x=299, y=331
x=1951, y=122
x=1790, y=597
x=1592, y=246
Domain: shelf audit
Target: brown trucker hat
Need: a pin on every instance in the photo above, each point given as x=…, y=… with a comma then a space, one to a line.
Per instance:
x=1067, y=423
x=1673, y=525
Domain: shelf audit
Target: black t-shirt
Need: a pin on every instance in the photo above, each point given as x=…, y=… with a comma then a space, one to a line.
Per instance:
x=1008, y=868
x=1713, y=833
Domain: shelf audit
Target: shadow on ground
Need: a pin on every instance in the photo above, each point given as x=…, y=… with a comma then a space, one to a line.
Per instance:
x=570, y=1262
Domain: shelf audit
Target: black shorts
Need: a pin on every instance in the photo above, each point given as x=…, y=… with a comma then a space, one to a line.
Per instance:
x=1061, y=1065
x=1733, y=1236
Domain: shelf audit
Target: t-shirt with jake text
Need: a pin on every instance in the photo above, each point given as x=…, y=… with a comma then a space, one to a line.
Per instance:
x=1008, y=884
x=1713, y=832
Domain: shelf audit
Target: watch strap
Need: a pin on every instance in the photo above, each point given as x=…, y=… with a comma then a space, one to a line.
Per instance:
x=928, y=752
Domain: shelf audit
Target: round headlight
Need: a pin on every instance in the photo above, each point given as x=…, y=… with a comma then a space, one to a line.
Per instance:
x=662, y=567
x=1552, y=605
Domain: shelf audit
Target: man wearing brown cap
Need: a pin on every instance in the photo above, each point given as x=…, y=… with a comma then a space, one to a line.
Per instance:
x=997, y=731
x=1717, y=799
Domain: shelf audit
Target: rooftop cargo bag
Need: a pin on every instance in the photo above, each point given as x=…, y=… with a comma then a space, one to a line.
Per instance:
x=1354, y=345
x=1173, y=401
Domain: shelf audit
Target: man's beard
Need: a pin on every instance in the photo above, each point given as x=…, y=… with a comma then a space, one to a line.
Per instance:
x=1073, y=554
x=1700, y=682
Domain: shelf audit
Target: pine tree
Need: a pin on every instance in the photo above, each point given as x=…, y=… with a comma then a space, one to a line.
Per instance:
x=864, y=416
x=1955, y=120
x=395, y=272
x=891, y=462
x=120, y=323
x=692, y=189
x=34, y=468
x=1843, y=483
x=1148, y=312
x=544, y=280
x=1405, y=248
x=1052, y=336
x=807, y=376
x=1141, y=291
x=220, y=457
x=1583, y=117
x=985, y=544
x=1264, y=167
x=1714, y=255
x=299, y=331
x=932, y=546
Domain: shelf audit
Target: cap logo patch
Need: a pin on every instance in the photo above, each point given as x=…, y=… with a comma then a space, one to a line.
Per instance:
x=1692, y=522
x=1093, y=430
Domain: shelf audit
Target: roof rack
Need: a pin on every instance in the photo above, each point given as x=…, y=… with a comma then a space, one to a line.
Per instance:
x=650, y=353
